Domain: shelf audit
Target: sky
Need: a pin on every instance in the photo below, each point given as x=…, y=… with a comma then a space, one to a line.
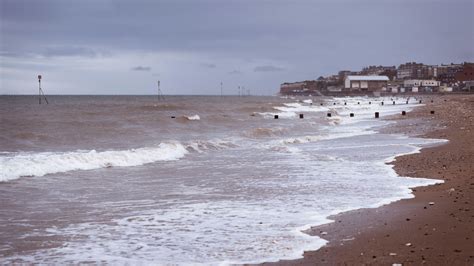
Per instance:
x=191, y=46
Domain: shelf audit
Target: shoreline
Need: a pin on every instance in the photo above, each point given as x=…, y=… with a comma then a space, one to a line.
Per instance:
x=435, y=225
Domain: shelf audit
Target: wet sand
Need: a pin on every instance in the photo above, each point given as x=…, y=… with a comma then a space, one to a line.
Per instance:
x=434, y=228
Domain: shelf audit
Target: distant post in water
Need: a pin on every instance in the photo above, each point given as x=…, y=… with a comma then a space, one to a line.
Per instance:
x=40, y=91
x=432, y=112
x=376, y=114
x=404, y=113
x=275, y=117
x=329, y=115
x=301, y=116
x=382, y=103
x=393, y=102
x=351, y=115
x=160, y=94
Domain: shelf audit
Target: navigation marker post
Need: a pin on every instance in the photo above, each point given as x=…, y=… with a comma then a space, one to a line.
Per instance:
x=40, y=91
x=160, y=94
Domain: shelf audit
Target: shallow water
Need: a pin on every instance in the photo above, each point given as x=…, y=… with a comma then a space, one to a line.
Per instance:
x=117, y=179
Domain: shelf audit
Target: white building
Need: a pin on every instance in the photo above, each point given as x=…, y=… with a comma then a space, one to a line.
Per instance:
x=426, y=85
x=365, y=83
x=409, y=83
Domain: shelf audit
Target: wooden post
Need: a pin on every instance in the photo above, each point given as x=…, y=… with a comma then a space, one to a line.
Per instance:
x=376, y=114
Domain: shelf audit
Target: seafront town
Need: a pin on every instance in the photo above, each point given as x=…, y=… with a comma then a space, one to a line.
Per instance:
x=407, y=78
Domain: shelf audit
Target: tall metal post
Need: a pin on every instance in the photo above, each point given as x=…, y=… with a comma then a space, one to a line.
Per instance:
x=221, y=88
x=39, y=89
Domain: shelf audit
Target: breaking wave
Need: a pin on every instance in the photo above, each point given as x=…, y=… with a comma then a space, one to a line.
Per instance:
x=40, y=164
x=264, y=132
x=306, y=139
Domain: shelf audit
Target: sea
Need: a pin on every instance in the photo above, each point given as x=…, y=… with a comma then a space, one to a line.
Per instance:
x=191, y=179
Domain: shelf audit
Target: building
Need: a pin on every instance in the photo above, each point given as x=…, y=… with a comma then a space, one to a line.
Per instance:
x=411, y=70
x=466, y=73
x=469, y=86
x=291, y=88
x=302, y=87
x=447, y=73
x=416, y=85
x=365, y=83
x=377, y=70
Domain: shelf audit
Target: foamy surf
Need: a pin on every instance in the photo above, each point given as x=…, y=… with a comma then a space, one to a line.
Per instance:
x=193, y=117
x=244, y=203
x=40, y=164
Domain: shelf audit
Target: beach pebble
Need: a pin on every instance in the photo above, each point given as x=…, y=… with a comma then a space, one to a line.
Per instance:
x=408, y=244
x=324, y=233
x=431, y=203
x=397, y=264
x=392, y=254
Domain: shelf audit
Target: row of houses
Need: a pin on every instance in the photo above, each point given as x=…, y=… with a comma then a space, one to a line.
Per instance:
x=409, y=77
x=383, y=84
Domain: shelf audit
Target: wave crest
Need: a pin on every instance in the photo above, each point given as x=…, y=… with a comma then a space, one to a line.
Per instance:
x=40, y=164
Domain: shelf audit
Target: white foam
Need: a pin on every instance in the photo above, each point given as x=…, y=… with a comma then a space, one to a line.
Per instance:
x=271, y=115
x=297, y=107
x=40, y=164
x=306, y=139
x=193, y=117
x=214, y=144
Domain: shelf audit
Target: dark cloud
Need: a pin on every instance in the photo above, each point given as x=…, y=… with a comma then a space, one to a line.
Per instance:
x=267, y=69
x=141, y=68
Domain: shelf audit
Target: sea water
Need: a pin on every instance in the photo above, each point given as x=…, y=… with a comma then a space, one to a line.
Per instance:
x=191, y=179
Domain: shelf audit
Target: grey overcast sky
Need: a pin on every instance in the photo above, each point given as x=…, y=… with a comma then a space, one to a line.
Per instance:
x=124, y=47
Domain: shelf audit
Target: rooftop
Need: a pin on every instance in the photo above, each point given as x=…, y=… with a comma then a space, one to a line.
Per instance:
x=376, y=78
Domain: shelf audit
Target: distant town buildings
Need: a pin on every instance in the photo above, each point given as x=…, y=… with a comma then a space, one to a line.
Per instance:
x=411, y=77
x=365, y=83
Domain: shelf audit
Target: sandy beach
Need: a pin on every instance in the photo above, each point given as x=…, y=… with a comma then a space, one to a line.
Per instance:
x=434, y=228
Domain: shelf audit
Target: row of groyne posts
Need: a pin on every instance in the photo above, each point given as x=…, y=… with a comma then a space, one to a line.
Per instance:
x=376, y=114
